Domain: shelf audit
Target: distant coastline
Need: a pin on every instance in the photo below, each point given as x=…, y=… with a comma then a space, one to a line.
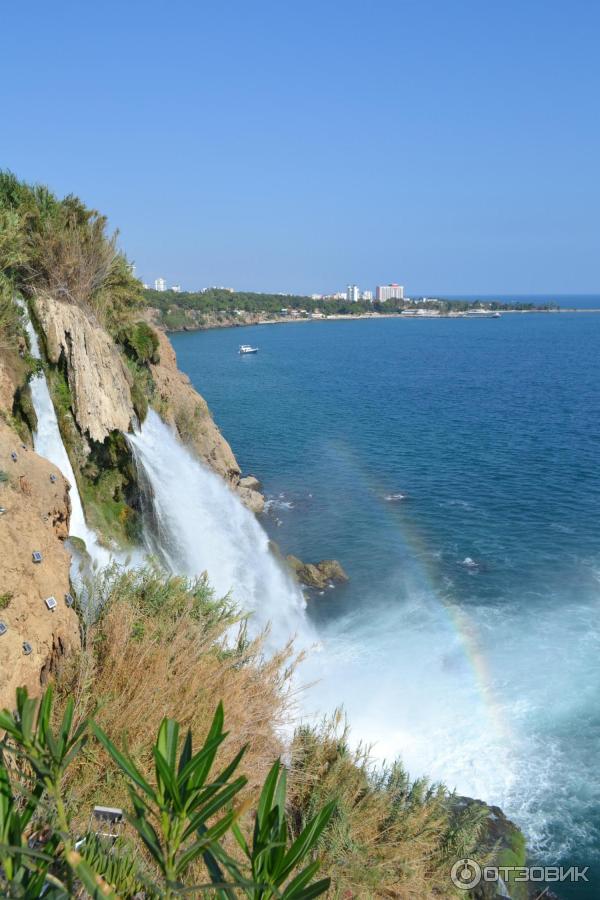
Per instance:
x=236, y=322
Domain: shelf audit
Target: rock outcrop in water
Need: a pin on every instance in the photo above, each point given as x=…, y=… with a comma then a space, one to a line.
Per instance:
x=317, y=575
x=35, y=516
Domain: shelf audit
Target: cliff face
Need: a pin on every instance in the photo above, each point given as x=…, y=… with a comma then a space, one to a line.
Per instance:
x=35, y=516
x=98, y=379
x=182, y=406
x=101, y=390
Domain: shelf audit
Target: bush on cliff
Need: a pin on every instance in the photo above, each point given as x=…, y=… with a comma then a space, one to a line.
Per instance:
x=163, y=646
x=62, y=247
x=179, y=817
x=140, y=341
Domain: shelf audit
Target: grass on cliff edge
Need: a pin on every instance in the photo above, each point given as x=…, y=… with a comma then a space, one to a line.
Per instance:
x=157, y=648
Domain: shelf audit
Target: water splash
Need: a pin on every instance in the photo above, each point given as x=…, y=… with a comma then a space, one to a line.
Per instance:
x=194, y=524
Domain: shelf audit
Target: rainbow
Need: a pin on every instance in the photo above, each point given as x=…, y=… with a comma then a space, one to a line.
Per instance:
x=429, y=577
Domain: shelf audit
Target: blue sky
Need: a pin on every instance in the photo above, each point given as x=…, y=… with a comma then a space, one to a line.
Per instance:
x=451, y=145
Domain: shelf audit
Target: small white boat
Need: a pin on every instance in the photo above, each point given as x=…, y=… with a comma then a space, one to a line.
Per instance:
x=246, y=348
x=482, y=314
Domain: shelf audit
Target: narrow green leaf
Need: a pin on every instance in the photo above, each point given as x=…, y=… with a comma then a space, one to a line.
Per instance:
x=186, y=753
x=67, y=722
x=315, y=890
x=266, y=796
x=125, y=764
x=45, y=708
x=197, y=849
x=301, y=880
x=197, y=769
x=241, y=840
x=222, y=777
x=166, y=780
x=166, y=744
x=212, y=808
x=307, y=839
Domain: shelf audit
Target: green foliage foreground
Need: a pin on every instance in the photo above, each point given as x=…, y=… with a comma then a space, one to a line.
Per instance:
x=181, y=819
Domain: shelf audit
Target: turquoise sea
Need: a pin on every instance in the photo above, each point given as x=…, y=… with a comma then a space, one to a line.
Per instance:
x=452, y=467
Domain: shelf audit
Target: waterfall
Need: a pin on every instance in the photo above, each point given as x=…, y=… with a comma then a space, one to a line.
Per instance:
x=47, y=441
x=194, y=523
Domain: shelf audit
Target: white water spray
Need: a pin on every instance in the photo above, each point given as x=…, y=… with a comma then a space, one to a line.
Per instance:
x=48, y=442
x=195, y=524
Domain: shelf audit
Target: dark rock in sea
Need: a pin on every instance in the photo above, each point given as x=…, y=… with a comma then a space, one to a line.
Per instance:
x=317, y=575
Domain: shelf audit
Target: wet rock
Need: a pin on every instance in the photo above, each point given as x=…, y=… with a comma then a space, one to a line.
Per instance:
x=317, y=575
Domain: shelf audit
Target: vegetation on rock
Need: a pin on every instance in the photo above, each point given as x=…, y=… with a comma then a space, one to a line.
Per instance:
x=61, y=249
x=180, y=818
x=164, y=647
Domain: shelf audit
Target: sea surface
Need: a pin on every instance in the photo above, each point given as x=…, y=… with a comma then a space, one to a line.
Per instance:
x=452, y=467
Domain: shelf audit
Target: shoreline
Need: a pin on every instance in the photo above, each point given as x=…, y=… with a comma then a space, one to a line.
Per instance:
x=340, y=317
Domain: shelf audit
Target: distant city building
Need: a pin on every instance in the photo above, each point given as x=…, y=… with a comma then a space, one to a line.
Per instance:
x=160, y=284
x=176, y=288
x=368, y=296
x=390, y=292
x=353, y=293
x=132, y=269
x=145, y=286
x=316, y=296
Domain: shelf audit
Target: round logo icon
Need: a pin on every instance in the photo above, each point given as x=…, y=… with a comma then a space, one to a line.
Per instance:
x=466, y=874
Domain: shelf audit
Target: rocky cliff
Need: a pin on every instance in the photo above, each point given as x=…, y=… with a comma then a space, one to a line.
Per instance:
x=181, y=405
x=34, y=516
x=99, y=382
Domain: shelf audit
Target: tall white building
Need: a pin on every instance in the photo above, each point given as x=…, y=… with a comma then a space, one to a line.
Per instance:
x=176, y=288
x=368, y=296
x=160, y=284
x=353, y=293
x=390, y=292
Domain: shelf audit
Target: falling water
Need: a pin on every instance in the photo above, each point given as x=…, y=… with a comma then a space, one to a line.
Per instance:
x=195, y=524
x=48, y=442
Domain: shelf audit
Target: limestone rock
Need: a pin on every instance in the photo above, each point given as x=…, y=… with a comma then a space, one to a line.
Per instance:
x=317, y=575
x=183, y=407
x=250, y=482
x=249, y=490
x=98, y=378
x=7, y=387
x=253, y=500
x=36, y=517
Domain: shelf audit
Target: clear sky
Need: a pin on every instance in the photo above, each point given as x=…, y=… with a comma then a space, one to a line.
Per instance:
x=450, y=145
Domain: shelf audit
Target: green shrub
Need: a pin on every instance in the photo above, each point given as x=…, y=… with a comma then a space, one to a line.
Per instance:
x=140, y=342
x=23, y=408
x=180, y=818
x=5, y=599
